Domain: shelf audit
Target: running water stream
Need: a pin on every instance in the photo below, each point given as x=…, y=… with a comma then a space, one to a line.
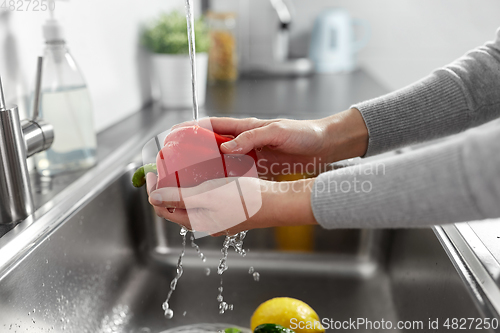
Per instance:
x=169, y=313
x=192, y=55
x=235, y=241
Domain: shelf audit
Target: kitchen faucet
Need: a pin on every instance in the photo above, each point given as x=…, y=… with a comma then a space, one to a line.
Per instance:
x=273, y=52
x=18, y=141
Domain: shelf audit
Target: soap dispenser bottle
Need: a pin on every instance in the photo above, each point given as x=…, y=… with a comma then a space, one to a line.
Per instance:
x=65, y=103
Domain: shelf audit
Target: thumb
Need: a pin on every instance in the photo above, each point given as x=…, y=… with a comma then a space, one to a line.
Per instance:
x=251, y=139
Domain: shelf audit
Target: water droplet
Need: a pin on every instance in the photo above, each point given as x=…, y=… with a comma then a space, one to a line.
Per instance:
x=184, y=313
x=173, y=284
x=222, y=307
x=251, y=270
x=220, y=298
x=221, y=289
x=169, y=313
x=46, y=261
x=183, y=231
x=207, y=271
x=230, y=307
x=256, y=276
x=197, y=248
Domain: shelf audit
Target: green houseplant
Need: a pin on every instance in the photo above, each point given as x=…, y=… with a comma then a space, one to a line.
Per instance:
x=167, y=40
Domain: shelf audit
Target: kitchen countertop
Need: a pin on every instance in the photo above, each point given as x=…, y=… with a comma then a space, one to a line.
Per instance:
x=317, y=96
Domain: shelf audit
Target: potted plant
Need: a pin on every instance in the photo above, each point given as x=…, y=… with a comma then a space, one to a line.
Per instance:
x=167, y=40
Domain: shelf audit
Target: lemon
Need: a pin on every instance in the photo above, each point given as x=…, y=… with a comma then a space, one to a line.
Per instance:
x=287, y=312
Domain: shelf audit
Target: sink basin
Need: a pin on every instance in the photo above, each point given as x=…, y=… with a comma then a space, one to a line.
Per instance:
x=106, y=266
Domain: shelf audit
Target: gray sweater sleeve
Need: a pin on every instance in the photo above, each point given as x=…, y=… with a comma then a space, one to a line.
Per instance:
x=459, y=96
x=454, y=181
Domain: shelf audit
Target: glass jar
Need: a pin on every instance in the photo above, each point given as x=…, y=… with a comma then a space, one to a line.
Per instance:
x=222, y=56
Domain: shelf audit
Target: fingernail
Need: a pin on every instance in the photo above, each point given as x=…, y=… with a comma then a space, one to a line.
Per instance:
x=156, y=199
x=230, y=145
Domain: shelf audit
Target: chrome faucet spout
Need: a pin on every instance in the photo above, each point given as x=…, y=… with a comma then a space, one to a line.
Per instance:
x=18, y=140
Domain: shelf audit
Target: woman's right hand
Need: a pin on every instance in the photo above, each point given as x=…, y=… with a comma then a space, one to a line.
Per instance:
x=281, y=143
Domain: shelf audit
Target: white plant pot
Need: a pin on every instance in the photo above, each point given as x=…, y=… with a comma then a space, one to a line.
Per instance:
x=173, y=74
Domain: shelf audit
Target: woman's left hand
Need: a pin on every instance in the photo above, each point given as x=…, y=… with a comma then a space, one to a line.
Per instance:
x=229, y=205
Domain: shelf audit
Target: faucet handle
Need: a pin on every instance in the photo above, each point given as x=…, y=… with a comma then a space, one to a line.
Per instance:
x=38, y=85
x=38, y=134
x=2, y=98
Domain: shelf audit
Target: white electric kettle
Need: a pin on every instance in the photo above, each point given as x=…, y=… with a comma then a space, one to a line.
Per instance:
x=333, y=45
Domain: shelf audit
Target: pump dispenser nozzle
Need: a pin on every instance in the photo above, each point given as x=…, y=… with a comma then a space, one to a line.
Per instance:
x=52, y=30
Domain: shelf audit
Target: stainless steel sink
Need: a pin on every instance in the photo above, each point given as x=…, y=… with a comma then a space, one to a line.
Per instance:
x=98, y=259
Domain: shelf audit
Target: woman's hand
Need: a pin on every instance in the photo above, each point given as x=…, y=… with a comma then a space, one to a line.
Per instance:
x=283, y=143
x=212, y=208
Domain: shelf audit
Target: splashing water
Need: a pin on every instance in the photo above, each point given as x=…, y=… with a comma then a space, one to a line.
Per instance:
x=197, y=249
x=255, y=274
x=236, y=242
x=169, y=313
x=192, y=54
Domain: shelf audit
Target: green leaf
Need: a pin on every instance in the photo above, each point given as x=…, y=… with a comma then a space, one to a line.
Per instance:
x=168, y=34
x=232, y=330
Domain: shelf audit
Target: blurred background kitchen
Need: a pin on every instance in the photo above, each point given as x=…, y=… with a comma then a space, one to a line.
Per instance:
x=408, y=39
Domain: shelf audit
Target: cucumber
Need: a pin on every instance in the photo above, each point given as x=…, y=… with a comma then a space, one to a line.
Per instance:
x=139, y=177
x=232, y=330
x=272, y=328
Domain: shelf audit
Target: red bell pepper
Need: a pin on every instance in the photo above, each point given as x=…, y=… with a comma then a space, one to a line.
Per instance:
x=191, y=155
